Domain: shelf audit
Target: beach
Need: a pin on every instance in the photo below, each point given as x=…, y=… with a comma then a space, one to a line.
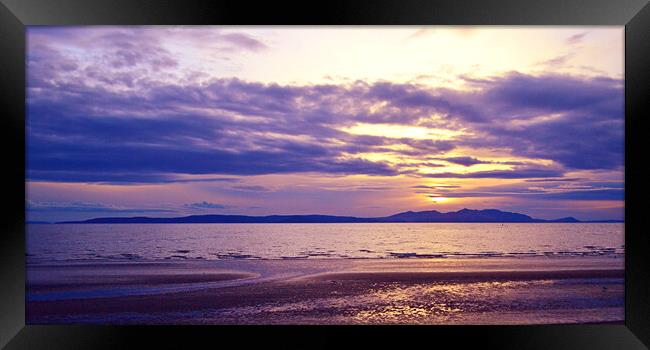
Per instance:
x=510, y=290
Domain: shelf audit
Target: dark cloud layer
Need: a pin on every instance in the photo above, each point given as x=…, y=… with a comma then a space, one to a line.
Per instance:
x=465, y=161
x=585, y=195
x=501, y=174
x=85, y=207
x=104, y=123
x=566, y=190
x=205, y=206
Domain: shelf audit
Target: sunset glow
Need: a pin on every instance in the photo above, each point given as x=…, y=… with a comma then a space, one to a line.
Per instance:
x=172, y=121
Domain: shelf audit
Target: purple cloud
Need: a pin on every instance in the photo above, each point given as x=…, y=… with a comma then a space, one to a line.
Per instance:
x=81, y=128
x=252, y=188
x=557, y=61
x=576, y=38
x=141, y=137
x=465, y=161
x=85, y=207
x=570, y=189
x=205, y=205
x=500, y=174
x=245, y=41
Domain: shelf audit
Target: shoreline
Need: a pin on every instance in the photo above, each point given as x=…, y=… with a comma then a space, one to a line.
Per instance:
x=392, y=256
x=471, y=276
x=330, y=291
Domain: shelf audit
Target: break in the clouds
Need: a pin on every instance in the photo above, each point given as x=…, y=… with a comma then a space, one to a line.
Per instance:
x=179, y=108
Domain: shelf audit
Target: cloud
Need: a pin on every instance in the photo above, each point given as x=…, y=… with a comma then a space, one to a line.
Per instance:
x=499, y=174
x=126, y=57
x=575, y=121
x=556, y=93
x=565, y=179
x=419, y=33
x=597, y=195
x=576, y=38
x=136, y=149
x=205, y=179
x=205, y=205
x=245, y=41
x=435, y=187
x=465, y=161
x=556, y=61
x=373, y=188
x=127, y=128
x=584, y=195
x=93, y=163
x=252, y=188
x=558, y=191
x=86, y=207
x=114, y=178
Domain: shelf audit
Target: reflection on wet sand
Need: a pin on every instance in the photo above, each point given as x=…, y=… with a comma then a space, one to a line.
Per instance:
x=435, y=291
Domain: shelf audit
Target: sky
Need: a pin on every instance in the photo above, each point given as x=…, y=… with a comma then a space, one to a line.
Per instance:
x=363, y=121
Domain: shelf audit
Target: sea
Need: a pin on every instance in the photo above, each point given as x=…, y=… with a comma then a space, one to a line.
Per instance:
x=54, y=243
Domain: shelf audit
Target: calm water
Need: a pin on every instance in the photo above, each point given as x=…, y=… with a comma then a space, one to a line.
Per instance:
x=66, y=242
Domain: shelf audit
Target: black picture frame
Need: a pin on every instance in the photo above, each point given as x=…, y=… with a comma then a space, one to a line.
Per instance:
x=15, y=15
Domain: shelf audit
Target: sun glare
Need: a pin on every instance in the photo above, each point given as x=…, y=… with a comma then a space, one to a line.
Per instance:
x=439, y=199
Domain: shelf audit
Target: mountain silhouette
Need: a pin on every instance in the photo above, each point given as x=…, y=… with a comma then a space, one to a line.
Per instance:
x=464, y=215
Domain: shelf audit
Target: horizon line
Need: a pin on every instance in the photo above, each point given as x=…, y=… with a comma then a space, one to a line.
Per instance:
x=528, y=218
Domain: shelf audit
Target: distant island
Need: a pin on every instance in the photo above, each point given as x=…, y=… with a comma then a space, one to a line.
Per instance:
x=464, y=215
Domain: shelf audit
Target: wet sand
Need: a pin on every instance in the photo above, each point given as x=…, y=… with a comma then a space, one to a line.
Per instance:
x=330, y=291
